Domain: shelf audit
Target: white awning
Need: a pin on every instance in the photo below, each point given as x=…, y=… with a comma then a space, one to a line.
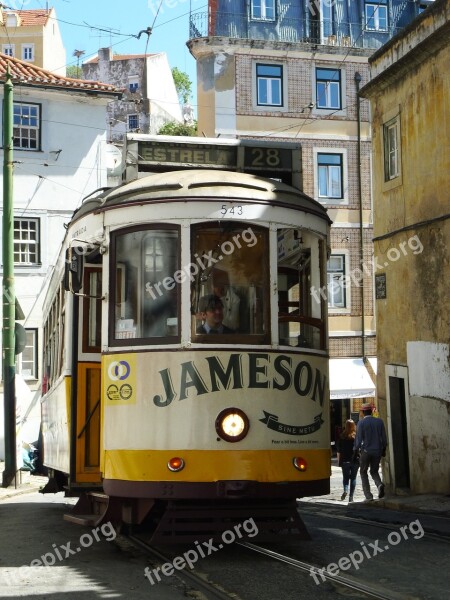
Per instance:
x=349, y=378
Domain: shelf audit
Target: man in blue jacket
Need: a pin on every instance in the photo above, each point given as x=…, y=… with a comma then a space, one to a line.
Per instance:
x=371, y=442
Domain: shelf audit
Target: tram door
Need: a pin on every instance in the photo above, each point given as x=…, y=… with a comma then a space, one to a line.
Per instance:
x=89, y=379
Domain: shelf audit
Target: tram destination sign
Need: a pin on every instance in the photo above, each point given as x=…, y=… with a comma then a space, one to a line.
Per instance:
x=192, y=155
x=148, y=153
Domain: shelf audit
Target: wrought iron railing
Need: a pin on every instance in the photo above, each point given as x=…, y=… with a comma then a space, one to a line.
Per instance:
x=333, y=33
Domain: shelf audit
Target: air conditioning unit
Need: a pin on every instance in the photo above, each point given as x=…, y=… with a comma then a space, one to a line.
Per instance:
x=331, y=40
x=346, y=41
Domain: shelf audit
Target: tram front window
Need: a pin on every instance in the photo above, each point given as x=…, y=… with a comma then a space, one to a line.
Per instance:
x=301, y=317
x=145, y=308
x=229, y=291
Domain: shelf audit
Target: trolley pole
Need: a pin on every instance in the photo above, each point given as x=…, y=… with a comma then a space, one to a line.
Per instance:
x=9, y=299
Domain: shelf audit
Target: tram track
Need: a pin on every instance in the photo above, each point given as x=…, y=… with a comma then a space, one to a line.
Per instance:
x=389, y=526
x=336, y=580
x=213, y=592
x=188, y=576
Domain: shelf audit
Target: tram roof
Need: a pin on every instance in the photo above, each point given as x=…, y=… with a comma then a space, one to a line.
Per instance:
x=203, y=184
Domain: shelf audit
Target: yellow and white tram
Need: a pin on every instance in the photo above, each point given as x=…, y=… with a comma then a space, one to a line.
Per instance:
x=141, y=400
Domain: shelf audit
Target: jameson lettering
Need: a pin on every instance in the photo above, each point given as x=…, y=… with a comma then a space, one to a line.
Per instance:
x=242, y=371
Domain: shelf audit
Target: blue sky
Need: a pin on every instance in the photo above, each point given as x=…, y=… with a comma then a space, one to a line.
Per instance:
x=82, y=24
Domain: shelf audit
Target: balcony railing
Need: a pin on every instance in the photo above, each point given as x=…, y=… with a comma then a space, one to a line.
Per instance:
x=332, y=33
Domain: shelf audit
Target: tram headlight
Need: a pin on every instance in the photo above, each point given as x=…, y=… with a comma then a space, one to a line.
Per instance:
x=232, y=425
x=175, y=464
x=300, y=464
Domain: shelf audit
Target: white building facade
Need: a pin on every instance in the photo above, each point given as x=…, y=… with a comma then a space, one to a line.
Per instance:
x=59, y=154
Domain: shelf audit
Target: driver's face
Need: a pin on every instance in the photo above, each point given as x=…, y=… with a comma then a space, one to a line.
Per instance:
x=214, y=315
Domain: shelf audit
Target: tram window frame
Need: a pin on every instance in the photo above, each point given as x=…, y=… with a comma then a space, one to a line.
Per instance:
x=114, y=283
x=211, y=270
x=54, y=340
x=88, y=308
x=294, y=282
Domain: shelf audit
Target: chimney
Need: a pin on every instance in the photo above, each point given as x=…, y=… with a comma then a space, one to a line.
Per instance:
x=104, y=54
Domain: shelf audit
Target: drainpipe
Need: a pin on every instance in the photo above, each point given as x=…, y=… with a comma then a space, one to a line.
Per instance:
x=361, y=233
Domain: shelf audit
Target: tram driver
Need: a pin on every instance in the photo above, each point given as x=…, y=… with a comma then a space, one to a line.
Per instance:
x=230, y=300
x=210, y=308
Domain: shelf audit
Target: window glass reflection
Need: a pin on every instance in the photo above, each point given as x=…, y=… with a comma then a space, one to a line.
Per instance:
x=146, y=295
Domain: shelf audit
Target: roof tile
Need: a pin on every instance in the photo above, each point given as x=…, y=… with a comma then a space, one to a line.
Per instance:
x=23, y=71
x=30, y=18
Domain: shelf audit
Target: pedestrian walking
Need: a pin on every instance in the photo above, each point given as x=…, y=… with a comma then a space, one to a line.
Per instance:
x=347, y=459
x=371, y=442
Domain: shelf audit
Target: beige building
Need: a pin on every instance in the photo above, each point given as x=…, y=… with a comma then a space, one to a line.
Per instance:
x=409, y=93
x=33, y=36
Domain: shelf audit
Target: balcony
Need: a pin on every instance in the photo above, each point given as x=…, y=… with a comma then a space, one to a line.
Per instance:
x=323, y=32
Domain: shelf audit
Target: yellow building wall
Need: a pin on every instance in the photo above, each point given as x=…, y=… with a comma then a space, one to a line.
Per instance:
x=412, y=233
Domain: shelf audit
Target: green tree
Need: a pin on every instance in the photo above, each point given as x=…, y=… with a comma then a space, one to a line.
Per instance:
x=74, y=72
x=174, y=128
x=183, y=85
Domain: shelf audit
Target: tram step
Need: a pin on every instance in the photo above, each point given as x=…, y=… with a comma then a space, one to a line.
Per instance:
x=88, y=520
x=94, y=508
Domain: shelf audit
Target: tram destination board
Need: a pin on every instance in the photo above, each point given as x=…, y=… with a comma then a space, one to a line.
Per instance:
x=267, y=159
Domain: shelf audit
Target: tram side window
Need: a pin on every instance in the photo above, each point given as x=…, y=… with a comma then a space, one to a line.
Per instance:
x=54, y=341
x=229, y=290
x=146, y=297
x=301, y=320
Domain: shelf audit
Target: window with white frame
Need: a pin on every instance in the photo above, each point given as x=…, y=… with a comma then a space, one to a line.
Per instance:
x=26, y=126
x=8, y=49
x=133, y=122
x=336, y=281
x=263, y=9
x=269, y=85
x=328, y=88
x=391, y=149
x=26, y=242
x=12, y=20
x=28, y=52
x=27, y=361
x=377, y=15
x=329, y=174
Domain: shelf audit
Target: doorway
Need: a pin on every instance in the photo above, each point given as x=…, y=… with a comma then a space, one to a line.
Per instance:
x=396, y=379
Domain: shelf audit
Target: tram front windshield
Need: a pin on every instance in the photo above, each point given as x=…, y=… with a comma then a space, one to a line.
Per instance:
x=229, y=281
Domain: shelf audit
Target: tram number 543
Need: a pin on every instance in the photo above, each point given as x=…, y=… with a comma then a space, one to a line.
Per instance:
x=233, y=210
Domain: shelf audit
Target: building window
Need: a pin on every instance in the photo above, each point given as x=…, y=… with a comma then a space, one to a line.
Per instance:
x=8, y=49
x=376, y=16
x=26, y=242
x=133, y=83
x=269, y=85
x=329, y=168
x=28, y=52
x=12, y=20
x=336, y=281
x=133, y=122
x=26, y=126
x=27, y=361
x=263, y=9
x=328, y=88
x=391, y=150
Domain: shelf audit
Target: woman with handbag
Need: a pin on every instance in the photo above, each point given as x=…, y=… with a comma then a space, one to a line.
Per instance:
x=346, y=459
